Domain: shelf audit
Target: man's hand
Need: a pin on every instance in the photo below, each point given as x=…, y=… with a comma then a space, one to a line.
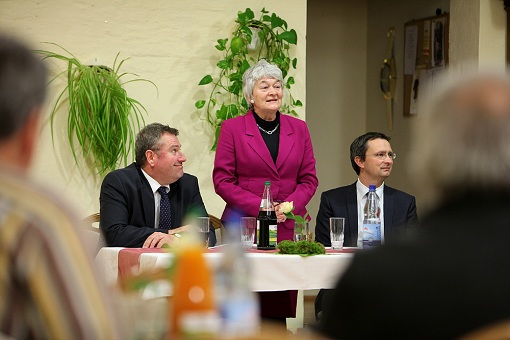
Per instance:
x=183, y=229
x=158, y=239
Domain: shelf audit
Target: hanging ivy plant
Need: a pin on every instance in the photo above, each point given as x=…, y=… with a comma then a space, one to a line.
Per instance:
x=102, y=119
x=267, y=37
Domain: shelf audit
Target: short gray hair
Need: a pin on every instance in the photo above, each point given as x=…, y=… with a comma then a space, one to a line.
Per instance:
x=464, y=143
x=262, y=69
x=23, y=78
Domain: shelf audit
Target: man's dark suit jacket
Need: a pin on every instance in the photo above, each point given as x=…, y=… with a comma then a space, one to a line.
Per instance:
x=399, y=213
x=127, y=206
x=448, y=277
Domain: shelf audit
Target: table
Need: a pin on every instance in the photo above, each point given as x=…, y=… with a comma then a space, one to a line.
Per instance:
x=269, y=271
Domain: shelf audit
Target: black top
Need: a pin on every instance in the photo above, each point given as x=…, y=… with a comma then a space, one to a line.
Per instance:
x=447, y=277
x=272, y=139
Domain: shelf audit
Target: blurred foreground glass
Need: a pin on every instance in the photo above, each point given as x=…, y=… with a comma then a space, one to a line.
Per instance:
x=248, y=231
x=336, y=227
x=203, y=225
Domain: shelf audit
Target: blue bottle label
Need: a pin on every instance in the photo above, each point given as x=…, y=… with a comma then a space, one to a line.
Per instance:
x=371, y=235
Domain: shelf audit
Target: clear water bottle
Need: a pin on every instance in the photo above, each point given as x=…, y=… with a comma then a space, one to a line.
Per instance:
x=371, y=220
x=237, y=304
x=266, y=220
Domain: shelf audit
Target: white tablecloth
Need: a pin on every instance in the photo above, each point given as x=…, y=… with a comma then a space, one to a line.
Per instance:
x=269, y=271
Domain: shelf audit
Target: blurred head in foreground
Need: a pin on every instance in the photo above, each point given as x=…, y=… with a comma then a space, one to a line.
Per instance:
x=22, y=93
x=464, y=143
x=48, y=287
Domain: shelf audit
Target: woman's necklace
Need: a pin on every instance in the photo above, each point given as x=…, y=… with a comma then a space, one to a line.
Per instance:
x=269, y=132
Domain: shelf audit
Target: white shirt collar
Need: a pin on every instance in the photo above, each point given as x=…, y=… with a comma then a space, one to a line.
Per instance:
x=362, y=190
x=153, y=183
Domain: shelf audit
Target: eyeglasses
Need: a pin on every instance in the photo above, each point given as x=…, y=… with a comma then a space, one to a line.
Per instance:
x=383, y=155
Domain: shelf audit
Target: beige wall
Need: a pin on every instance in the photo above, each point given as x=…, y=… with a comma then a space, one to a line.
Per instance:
x=341, y=45
x=169, y=42
x=336, y=71
x=382, y=15
x=345, y=49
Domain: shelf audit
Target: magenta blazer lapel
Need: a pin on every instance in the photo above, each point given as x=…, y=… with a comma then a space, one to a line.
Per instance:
x=286, y=141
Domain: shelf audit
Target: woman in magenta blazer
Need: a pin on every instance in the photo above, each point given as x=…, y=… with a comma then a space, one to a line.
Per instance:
x=264, y=145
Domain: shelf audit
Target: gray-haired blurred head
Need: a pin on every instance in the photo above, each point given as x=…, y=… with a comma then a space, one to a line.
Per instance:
x=262, y=69
x=22, y=85
x=464, y=143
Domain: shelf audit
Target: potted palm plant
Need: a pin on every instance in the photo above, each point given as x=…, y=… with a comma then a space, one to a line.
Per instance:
x=102, y=119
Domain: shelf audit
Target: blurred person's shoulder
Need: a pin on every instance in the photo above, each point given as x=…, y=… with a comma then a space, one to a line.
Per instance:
x=34, y=206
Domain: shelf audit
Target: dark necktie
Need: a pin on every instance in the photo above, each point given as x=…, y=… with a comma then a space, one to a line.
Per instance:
x=165, y=215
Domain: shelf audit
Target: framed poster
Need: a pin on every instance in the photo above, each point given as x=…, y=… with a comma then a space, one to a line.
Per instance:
x=426, y=43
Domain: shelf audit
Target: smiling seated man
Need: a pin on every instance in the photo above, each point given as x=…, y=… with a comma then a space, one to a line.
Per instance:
x=372, y=159
x=130, y=197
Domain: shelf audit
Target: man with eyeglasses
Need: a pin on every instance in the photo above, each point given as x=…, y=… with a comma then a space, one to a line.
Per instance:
x=449, y=277
x=372, y=159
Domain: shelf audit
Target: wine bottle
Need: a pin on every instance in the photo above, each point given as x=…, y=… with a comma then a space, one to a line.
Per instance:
x=266, y=220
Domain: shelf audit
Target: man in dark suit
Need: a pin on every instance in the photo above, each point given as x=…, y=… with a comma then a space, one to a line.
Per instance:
x=448, y=277
x=130, y=200
x=372, y=160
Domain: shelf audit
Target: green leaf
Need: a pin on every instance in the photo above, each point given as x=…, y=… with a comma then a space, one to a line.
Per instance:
x=223, y=64
x=245, y=65
x=222, y=42
x=276, y=21
x=244, y=17
x=232, y=111
x=236, y=88
x=298, y=103
x=205, y=80
x=236, y=45
x=299, y=219
x=246, y=30
x=290, y=81
x=249, y=13
x=221, y=114
x=284, y=24
x=200, y=104
x=294, y=62
x=288, y=36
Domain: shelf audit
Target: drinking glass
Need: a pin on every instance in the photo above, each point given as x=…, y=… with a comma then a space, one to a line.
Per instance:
x=301, y=231
x=336, y=227
x=248, y=230
x=203, y=225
